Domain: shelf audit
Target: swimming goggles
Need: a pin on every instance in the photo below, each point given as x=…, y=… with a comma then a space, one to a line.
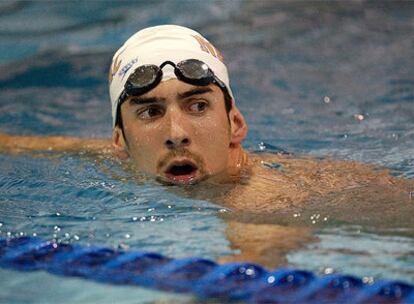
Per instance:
x=148, y=76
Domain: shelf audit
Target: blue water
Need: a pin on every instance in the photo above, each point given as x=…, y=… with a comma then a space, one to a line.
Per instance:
x=326, y=79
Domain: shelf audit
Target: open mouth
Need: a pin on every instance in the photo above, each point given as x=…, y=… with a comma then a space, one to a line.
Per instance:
x=183, y=172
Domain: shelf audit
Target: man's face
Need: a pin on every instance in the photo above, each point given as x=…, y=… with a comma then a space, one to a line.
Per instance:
x=178, y=132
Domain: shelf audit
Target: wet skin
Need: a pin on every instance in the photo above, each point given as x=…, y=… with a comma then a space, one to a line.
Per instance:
x=181, y=134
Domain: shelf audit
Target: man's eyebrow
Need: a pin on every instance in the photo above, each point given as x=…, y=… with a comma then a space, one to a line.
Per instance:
x=139, y=100
x=196, y=91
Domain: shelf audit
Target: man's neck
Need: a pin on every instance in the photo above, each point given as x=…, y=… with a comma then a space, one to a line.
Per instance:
x=238, y=159
x=238, y=167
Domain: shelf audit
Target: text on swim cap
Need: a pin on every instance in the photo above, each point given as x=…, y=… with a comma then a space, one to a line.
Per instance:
x=127, y=67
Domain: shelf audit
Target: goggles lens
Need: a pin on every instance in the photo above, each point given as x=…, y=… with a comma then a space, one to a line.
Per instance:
x=143, y=79
x=148, y=76
x=144, y=75
x=195, y=69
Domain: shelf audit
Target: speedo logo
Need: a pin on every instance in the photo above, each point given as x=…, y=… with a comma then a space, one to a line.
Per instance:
x=127, y=67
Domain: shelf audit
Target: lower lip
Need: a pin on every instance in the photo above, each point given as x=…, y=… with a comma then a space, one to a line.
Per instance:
x=182, y=179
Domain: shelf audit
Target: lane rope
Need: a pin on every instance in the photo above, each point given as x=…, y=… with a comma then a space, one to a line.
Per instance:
x=201, y=277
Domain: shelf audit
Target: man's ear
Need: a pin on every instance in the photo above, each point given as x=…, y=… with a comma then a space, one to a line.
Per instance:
x=238, y=126
x=119, y=144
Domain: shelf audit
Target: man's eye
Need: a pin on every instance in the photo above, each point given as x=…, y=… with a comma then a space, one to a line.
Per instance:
x=150, y=112
x=198, y=107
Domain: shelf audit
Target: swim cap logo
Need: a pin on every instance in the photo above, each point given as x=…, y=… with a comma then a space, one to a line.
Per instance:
x=114, y=68
x=208, y=48
x=127, y=67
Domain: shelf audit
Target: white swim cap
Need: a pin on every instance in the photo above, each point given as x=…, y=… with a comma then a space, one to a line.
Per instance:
x=155, y=45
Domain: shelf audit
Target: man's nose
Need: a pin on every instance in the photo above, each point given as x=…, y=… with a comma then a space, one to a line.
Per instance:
x=177, y=135
x=177, y=142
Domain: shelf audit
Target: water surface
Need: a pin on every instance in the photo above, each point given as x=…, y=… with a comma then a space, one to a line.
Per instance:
x=326, y=79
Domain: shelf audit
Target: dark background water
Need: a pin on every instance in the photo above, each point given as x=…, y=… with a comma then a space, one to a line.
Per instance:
x=321, y=78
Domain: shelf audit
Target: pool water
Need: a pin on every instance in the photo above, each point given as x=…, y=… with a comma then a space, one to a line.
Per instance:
x=325, y=79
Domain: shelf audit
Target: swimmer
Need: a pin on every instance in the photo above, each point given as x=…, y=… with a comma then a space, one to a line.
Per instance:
x=175, y=119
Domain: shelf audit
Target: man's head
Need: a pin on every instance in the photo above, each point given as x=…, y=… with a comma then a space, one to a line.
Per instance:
x=172, y=107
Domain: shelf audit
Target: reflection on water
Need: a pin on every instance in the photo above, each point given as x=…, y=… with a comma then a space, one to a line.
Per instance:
x=352, y=250
x=72, y=200
x=327, y=79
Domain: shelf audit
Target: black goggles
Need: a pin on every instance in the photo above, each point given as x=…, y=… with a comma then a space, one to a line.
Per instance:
x=148, y=76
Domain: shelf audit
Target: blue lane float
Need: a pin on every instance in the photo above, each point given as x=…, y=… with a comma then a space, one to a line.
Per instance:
x=201, y=277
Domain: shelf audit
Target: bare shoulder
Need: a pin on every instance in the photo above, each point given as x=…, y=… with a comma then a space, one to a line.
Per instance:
x=21, y=144
x=283, y=182
x=331, y=174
